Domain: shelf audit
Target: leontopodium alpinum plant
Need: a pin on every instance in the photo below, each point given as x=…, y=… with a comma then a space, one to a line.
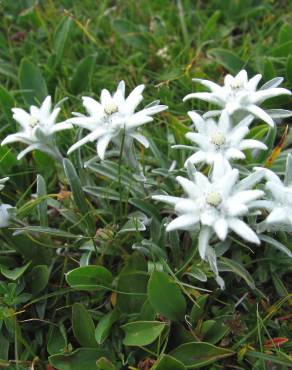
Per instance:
x=240, y=94
x=219, y=201
x=114, y=119
x=223, y=140
x=38, y=128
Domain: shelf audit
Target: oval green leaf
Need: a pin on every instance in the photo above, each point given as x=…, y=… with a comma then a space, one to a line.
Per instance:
x=32, y=83
x=82, y=358
x=83, y=326
x=165, y=296
x=39, y=278
x=103, y=327
x=82, y=75
x=198, y=354
x=142, y=333
x=15, y=273
x=89, y=278
x=168, y=362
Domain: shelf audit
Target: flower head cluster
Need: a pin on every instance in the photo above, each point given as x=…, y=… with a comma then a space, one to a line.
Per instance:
x=240, y=94
x=217, y=204
x=37, y=128
x=220, y=139
x=113, y=117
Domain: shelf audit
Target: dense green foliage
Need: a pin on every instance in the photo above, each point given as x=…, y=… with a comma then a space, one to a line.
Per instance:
x=84, y=284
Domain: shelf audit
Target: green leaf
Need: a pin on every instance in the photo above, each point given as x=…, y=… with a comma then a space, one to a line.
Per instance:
x=284, y=45
x=198, y=309
x=269, y=70
x=83, y=326
x=130, y=33
x=104, y=364
x=211, y=25
x=228, y=59
x=6, y=103
x=133, y=281
x=166, y=362
x=280, y=358
x=46, y=230
x=82, y=76
x=15, y=273
x=31, y=80
x=4, y=348
x=226, y=264
x=132, y=225
x=89, y=278
x=165, y=296
x=197, y=273
x=213, y=331
x=82, y=358
x=103, y=192
x=146, y=207
x=7, y=159
x=276, y=244
x=279, y=285
x=289, y=69
x=61, y=38
x=142, y=333
x=56, y=341
x=198, y=354
x=78, y=193
x=104, y=326
x=39, y=278
x=32, y=251
x=42, y=207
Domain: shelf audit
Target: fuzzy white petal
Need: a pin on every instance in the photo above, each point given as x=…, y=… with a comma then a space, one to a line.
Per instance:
x=244, y=231
x=204, y=239
x=184, y=222
x=221, y=228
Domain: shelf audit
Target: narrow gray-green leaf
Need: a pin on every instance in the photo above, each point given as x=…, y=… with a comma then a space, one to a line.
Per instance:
x=276, y=244
x=226, y=264
x=15, y=273
x=42, y=207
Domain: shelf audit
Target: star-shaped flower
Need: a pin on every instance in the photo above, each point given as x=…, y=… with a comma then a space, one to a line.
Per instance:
x=4, y=214
x=37, y=128
x=113, y=117
x=279, y=197
x=222, y=139
x=218, y=205
x=241, y=94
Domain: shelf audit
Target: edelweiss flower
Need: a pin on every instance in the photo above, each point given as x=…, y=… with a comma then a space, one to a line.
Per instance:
x=239, y=93
x=2, y=182
x=37, y=128
x=218, y=205
x=4, y=215
x=279, y=195
x=114, y=116
x=219, y=139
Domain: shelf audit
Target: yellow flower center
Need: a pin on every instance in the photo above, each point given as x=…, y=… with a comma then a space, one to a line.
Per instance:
x=33, y=121
x=218, y=139
x=214, y=199
x=110, y=108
